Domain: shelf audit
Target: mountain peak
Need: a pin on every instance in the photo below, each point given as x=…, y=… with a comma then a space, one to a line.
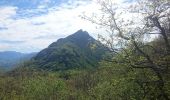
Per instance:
x=81, y=34
x=71, y=52
x=81, y=38
x=81, y=30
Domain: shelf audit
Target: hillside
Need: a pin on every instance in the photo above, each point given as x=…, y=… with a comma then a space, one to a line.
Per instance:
x=72, y=52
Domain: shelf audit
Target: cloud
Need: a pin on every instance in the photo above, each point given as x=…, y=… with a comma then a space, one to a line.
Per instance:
x=38, y=23
x=51, y=36
x=3, y=28
x=4, y=47
x=36, y=28
x=10, y=42
x=39, y=30
x=6, y=12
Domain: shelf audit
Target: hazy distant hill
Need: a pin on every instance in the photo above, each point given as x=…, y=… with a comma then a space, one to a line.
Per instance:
x=78, y=50
x=9, y=59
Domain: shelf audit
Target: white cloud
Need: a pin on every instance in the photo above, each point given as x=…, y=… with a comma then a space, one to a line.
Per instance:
x=60, y=21
x=4, y=47
x=6, y=12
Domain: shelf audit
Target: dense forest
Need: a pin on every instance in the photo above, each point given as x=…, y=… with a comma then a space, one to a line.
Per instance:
x=131, y=61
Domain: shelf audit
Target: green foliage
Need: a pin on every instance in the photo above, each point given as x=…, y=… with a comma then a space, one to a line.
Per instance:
x=111, y=81
x=39, y=87
x=43, y=88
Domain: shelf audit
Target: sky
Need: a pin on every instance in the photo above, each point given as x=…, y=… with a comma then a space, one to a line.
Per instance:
x=31, y=25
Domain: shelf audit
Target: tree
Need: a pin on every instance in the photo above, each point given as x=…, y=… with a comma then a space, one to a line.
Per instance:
x=134, y=36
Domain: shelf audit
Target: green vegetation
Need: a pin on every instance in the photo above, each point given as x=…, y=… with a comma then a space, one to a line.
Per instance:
x=111, y=81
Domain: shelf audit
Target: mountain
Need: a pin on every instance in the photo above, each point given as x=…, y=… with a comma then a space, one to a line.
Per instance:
x=10, y=59
x=76, y=51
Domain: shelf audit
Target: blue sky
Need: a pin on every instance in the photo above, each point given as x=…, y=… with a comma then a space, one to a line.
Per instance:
x=30, y=4
x=31, y=25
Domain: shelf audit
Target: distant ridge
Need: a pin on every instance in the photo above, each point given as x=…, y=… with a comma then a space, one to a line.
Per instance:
x=10, y=59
